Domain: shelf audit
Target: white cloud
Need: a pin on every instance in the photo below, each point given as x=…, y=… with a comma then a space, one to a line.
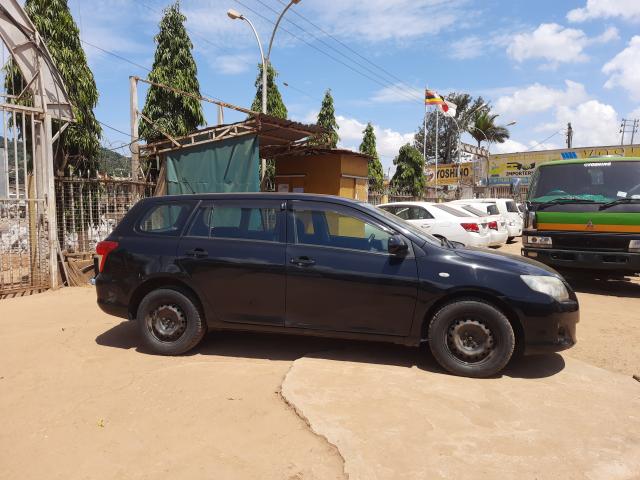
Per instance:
x=234, y=64
x=398, y=93
x=538, y=98
x=468, y=47
x=555, y=44
x=511, y=146
x=593, y=123
x=388, y=141
x=551, y=42
x=628, y=9
x=379, y=20
x=624, y=69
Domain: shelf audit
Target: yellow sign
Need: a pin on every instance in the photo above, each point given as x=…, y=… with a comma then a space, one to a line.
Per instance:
x=448, y=174
x=505, y=166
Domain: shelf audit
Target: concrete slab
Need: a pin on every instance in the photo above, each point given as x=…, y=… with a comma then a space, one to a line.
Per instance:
x=547, y=418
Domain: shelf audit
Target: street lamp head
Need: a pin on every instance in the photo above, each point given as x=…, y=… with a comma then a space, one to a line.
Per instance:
x=234, y=14
x=511, y=124
x=295, y=2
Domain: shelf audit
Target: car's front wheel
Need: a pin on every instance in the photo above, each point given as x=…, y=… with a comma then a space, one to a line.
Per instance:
x=472, y=338
x=169, y=322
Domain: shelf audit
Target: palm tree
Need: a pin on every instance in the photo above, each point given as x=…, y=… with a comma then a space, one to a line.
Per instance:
x=485, y=128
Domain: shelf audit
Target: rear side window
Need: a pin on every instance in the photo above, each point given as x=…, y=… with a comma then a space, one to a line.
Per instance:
x=476, y=212
x=236, y=222
x=492, y=209
x=512, y=207
x=408, y=212
x=165, y=219
x=452, y=211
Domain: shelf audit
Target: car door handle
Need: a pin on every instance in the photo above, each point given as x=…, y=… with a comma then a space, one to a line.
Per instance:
x=302, y=261
x=197, y=252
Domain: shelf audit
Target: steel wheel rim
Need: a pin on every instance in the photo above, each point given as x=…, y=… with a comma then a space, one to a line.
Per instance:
x=167, y=323
x=470, y=340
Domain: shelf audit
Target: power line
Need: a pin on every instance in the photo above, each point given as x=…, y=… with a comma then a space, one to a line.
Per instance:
x=319, y=49
x=347, y=47
x=399, y=89
x=108, y=52
x=542, y=141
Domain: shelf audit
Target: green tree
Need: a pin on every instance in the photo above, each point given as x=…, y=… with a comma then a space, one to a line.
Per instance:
x=368, y=147
x=174, y=66
x=327, y=120
x=275, y=105
x=485, y=129
x=409, y=176
x=79, y=143
x=448, y=127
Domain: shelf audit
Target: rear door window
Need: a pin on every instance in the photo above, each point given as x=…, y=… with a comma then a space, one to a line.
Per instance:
x=236, y=220
x=452, y=211
x=165, y=219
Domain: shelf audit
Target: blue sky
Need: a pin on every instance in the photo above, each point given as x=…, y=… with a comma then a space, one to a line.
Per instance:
x=539, y=63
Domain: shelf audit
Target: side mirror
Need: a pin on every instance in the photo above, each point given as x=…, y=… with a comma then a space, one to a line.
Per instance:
x=397, y=245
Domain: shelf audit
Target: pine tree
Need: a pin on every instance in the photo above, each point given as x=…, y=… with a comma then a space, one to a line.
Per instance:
x=368, y=147
x=275, y=105
x=174, y=66
x=80, y=141
x=409, y=176
x=327, y=120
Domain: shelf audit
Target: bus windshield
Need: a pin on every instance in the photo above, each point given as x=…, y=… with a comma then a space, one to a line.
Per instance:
x=594, y=181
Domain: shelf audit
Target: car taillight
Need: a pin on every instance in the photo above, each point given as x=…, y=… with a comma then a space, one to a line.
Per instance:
x=471, y=227
x=493, y=225
x=103, y=249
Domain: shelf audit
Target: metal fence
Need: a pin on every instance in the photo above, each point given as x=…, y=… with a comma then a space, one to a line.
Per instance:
x=88, y=210
x=24, y=246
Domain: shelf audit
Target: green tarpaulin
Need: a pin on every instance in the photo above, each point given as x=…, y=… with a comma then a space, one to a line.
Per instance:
x=227, y=166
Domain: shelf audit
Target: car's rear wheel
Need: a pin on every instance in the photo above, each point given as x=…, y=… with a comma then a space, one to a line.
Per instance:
x=472, y=338
x=510, y=239
x=169, y=322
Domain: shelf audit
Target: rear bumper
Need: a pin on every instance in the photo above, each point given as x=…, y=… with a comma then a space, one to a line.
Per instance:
x=498, y=238
x=514, y=230
x=110, y=297
x=588, y=260
x=476, y=240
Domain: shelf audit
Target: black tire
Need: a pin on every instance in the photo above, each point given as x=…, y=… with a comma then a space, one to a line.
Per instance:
x=510, y=239
x=472, y=338
x=169, y=322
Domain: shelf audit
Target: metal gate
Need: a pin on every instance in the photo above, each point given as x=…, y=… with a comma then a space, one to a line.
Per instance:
x=25, y=260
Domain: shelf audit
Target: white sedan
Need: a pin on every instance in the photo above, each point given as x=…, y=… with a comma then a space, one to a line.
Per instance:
x=496, y=222
x=506, y=207
x=442, y=220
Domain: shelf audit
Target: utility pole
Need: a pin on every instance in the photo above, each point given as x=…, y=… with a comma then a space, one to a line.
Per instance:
x=569, y=135
x=133, y=118
x=628, y=126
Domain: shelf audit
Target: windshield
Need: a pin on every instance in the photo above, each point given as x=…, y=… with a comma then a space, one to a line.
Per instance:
x=595, y=181
x=408, y=226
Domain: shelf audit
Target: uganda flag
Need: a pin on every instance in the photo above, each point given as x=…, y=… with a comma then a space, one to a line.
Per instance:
x=432, y=98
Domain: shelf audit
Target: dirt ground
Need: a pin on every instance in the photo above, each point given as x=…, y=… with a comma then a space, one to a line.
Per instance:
x=80, y=400
x=609, y=328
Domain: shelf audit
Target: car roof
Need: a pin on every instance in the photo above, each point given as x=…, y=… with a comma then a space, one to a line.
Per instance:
x=411, y=202
x=256, y=196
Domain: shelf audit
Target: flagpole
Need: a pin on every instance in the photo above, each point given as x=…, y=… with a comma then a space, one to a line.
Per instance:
x=437, y=153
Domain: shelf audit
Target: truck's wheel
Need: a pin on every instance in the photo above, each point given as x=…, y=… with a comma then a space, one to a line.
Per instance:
x=472, y=338
x=169, y=322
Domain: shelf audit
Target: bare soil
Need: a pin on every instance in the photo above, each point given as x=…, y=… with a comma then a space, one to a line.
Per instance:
x=79, y=399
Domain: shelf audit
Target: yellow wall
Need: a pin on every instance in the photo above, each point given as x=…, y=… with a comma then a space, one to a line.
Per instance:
x=323, y=173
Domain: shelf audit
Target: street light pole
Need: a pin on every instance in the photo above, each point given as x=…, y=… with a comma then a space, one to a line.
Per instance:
x=235, y=15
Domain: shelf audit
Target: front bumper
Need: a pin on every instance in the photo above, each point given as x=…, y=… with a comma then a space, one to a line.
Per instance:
x=551, y=332
x=588, y=260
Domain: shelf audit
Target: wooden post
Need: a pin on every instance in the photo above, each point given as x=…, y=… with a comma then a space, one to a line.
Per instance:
x=133, y=115
x=50, y=197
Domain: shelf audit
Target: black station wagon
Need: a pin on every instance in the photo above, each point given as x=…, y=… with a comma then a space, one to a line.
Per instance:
x=321, y=265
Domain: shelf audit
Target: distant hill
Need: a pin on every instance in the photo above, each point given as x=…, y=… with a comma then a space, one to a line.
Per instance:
x=113, y=163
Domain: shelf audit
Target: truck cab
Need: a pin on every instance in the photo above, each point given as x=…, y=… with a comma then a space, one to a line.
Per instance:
x=585, y=214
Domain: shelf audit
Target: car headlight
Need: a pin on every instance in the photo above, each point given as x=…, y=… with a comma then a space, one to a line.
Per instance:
x=634, y=246
x=537, y=241
x=552, y=286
